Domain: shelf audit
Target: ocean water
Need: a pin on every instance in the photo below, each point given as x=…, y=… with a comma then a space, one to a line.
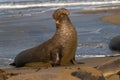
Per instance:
x=14, y=7
x=16, y=34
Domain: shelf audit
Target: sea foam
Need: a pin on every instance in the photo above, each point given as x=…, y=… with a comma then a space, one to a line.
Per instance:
x=49, y=4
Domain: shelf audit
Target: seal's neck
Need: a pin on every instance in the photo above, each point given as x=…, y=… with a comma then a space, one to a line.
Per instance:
x=64, y=28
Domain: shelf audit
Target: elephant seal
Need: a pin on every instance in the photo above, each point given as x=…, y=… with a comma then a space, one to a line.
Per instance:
x=59, y=50
x=114, y=44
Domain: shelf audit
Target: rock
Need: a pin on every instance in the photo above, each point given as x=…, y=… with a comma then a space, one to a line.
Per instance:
x=3, y=75
x=113, y=77
x=111, y=67
x=88, y=73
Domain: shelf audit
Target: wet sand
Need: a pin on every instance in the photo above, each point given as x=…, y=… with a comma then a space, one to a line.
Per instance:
x=114, y=19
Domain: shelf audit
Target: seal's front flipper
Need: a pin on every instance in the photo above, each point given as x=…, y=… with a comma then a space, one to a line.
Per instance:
x=55, y=59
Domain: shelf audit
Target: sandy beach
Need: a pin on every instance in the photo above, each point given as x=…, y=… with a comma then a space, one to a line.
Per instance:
x=114, y=18
x=65, y=73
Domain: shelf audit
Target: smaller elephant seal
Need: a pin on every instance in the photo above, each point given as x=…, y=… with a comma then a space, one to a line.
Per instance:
x=59, y=50
x=114, y=44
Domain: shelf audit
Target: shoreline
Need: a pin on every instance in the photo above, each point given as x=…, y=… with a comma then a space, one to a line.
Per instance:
x=114, y=18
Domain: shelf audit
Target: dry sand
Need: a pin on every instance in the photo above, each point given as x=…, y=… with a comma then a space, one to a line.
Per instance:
x=114, y=18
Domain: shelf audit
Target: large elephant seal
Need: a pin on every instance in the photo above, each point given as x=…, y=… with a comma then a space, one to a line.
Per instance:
x=60, y=49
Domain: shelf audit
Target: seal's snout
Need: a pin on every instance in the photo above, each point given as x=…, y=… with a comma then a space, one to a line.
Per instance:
x=57, y=13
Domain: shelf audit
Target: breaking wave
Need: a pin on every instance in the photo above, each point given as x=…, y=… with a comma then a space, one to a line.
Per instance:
x=53, y=4
x=92, y=56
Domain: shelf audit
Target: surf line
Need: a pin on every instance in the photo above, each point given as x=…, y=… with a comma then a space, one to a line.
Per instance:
x=9, y=6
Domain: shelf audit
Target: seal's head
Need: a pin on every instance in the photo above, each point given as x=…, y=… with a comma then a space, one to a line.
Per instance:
x=60, y=14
